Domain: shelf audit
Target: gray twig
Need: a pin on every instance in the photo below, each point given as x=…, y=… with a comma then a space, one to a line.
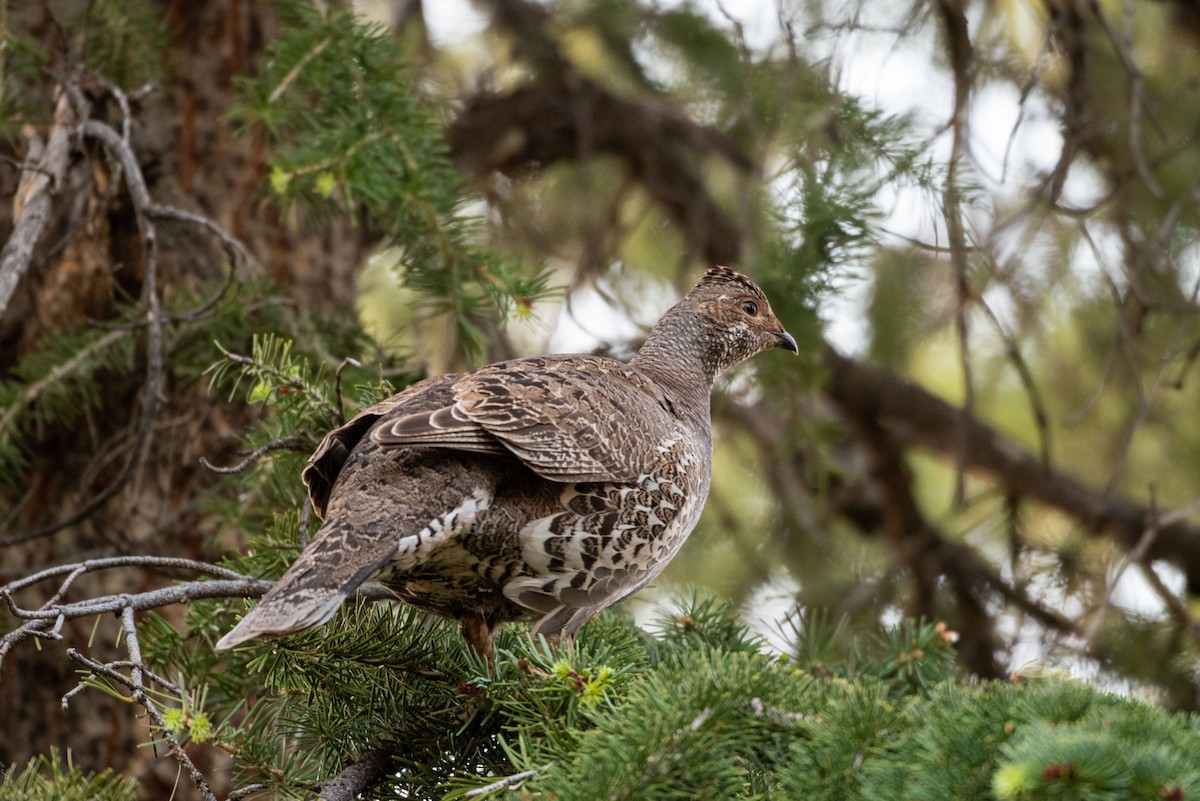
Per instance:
x=341, y=406
x=152, y=395
x=47, y=623
x=283, y=443
x=77, y=568
x=135, y=682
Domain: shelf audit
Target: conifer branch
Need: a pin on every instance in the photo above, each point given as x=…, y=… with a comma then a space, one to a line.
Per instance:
x=61, y=371
x=359, y=777
x=135, y=682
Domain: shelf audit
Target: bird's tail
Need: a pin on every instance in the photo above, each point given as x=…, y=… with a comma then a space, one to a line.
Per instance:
x=331, y=568
x=283, y=614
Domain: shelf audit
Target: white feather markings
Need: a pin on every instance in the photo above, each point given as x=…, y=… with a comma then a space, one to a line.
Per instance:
x=441, y=529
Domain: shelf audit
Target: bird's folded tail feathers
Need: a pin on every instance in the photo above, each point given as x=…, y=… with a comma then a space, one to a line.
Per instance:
x=339, y=559
x=284, y=613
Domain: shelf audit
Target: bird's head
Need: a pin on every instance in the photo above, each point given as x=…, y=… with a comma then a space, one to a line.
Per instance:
x=735, y=318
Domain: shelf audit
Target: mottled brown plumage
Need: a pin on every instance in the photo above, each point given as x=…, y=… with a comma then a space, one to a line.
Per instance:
x=545, y=488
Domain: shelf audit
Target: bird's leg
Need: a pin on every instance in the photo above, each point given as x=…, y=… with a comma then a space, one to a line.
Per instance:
x=478, y=633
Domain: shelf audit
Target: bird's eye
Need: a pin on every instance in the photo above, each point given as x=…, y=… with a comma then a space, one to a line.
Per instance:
x=750, y=307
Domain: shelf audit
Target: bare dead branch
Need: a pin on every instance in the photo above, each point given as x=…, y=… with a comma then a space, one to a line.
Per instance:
x=341, y=406
x=47, y=623
x=1123, y=45
x=156, y=563
x=236, y=253
x=1134, y=556
x=135, y=682
x=507, y=781
x=1040, y=419
x=283, y=443
x=35, y=196
x=562, y=115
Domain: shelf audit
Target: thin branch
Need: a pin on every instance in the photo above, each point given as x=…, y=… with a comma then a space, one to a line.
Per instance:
x=135, y=682
x=295, y=71
x=76, y=569
x=152, y=394
x=47, y=623
x=341, y=406
x=507, y=781
x=283, y=443
x=1041, y=420
x=32, y=392
x=1135, y=556
x=140, y=695
x=1123, y=45
x=961, y=54
x=235, y=252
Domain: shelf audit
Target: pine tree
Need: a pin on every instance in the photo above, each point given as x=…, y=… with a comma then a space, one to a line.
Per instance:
x=185, y=328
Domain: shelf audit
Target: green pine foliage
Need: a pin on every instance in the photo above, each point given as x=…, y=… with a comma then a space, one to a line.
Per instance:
x=125, y=40
x=698, y=708
x=54, y=777
x=349, y=136
x=56, y=386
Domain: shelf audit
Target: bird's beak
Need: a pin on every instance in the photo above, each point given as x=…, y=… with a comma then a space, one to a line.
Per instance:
x=786, y=341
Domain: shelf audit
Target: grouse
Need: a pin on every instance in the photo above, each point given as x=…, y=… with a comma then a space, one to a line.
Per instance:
x=540, y=488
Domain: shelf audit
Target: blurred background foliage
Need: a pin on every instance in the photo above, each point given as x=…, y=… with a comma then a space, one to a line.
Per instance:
x=979, y=218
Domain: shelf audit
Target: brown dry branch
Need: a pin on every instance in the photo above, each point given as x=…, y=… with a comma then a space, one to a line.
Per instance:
x=574, y=119
x=918, y=418
x=861, y=505
x=561, y=115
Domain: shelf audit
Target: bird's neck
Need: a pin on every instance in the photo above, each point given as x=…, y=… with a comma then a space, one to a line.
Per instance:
x=675, y=357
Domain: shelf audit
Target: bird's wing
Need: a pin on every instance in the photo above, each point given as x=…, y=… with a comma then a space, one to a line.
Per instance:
x=325, y=465
x=578, y=418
